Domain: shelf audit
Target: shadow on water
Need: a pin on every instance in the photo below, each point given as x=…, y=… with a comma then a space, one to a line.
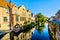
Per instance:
x=42, y=35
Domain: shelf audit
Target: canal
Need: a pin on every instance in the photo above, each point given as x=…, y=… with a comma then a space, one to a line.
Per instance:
x=44, y=35
x=41, y=36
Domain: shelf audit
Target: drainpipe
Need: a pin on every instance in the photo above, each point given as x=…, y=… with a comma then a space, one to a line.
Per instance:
x=11, y=21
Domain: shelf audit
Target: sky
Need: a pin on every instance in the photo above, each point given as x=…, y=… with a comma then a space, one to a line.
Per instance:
x=47, y=7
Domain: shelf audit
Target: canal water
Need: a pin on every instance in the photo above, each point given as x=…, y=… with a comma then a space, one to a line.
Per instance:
x=36, y=35
x=41, y=36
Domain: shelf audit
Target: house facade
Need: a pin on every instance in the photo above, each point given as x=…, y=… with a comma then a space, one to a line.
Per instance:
x=20, y=15
x=54, y=27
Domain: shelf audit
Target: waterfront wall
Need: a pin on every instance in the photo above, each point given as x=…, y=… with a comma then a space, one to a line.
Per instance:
x=21, y=36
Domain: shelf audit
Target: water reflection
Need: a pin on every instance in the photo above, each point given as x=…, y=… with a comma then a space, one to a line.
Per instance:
x=44, y=35
x=2, y=34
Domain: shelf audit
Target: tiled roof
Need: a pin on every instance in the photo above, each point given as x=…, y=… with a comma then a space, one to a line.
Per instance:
x=4, y=4
x=55, y=21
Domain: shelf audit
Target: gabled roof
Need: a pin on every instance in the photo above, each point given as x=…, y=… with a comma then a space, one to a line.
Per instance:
x=22, y=6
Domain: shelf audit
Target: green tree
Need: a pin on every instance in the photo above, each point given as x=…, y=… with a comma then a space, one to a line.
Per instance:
x=40, y=23
x=41, y=20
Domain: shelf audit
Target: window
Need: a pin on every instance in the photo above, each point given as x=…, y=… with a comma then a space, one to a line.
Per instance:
x=0, y=25
x=7, y=11
x=22, y=18
x=5, y=19
x=29, y=14
x=15, y=11
x=29, y=18
x=24, y=14
x=17, y=18
x=23, y=9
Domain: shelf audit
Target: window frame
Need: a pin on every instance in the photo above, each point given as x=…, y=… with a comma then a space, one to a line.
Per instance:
x=15, y=11
x=5, y=19
x=17, y=18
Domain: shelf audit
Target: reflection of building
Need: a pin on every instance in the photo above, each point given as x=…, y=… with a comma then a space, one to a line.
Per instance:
x=54, y=27
x=26, y=35
x=20, y=15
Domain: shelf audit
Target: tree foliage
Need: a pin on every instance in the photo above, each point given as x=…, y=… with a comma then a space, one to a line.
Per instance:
x=40, y=23
x=41, y=20
x=28, y=27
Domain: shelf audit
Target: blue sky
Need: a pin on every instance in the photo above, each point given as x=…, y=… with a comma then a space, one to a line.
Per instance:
x=46, y=7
